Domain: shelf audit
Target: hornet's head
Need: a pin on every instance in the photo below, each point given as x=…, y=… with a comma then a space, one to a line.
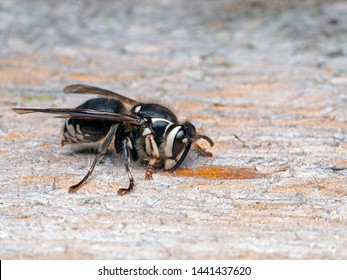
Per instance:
x=178, y=143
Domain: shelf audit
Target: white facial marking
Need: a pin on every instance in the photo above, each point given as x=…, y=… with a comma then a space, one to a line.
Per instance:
x=137, y=109
x=184, y=140
x=179, y=155
x=170, y=140
x=169, y=163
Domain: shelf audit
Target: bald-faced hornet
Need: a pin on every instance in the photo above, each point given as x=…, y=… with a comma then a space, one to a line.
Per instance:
x=142, y=131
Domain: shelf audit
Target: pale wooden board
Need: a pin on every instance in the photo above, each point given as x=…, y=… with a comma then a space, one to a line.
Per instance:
x=267, y=85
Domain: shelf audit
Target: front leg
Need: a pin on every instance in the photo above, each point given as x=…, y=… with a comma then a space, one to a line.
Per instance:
x=150, y=169
x=153, y=152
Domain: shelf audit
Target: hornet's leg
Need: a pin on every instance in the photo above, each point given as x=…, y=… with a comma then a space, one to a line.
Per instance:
x=101, y=152
x=124, y=191
x=150, y=169
x=153, y=152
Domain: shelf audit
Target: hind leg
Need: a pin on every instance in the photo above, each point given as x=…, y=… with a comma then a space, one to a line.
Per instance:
x=101, y=152
x=124, y=191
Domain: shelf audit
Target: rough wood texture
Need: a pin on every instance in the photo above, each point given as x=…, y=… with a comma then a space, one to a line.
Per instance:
x=266, y=80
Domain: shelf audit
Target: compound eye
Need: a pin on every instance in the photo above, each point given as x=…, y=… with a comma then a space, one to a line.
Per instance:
x=179, y=135
x=180, y=142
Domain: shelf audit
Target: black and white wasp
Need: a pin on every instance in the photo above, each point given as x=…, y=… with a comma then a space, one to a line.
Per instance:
x=142, y=131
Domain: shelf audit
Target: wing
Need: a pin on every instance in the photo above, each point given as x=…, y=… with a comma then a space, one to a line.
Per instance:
x=86, y=89
x=83, y=114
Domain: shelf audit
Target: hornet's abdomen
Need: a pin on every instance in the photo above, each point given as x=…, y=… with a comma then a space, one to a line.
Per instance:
x=80, y=130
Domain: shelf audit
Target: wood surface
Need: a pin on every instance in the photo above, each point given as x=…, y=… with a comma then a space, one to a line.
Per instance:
x=266, y=80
